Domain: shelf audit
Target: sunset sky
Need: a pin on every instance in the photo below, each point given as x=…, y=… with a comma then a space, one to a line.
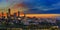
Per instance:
x=31, y=6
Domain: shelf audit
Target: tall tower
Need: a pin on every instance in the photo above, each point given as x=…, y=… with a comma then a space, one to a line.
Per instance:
x=15, y=15
x=18, y=13
x=8, y=14
x=9, y=11
x=2, y=14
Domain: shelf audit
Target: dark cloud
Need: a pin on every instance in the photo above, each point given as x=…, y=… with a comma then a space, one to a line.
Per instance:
x=42, y=6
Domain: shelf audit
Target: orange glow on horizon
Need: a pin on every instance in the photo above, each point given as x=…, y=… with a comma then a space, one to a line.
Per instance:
x=42, y=15
x=35, y=15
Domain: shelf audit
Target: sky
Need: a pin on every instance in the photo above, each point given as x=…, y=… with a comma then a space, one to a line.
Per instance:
x=32, y=6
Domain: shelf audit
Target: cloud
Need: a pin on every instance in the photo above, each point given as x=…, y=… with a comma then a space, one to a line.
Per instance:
x=8, y=3
x=43, y=4
x=3, y=4
x=33, y=4
x=53, y=6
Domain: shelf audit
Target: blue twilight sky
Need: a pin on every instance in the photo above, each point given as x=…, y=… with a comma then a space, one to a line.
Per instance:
x=35, y=6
